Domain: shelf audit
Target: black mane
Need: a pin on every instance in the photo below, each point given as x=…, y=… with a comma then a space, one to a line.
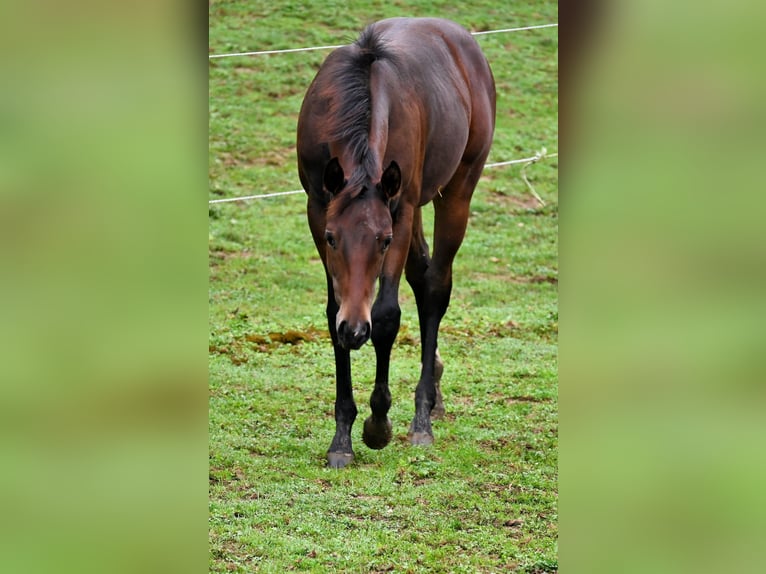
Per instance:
x=352, y=106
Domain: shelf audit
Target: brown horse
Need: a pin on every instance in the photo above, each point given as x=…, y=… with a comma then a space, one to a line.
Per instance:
x=403, y=116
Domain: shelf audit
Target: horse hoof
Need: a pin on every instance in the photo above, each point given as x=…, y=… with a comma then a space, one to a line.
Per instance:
x=339, y=459
x=421, y=439
x=377, y=433
x=438, y=411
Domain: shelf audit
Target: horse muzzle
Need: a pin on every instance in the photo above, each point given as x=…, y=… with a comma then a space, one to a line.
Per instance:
x=353, y=336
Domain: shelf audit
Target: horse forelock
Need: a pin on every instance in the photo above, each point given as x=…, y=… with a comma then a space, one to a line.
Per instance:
x=354, y=189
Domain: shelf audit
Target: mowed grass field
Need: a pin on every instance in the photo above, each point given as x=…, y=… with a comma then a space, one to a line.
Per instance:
x=483, y=498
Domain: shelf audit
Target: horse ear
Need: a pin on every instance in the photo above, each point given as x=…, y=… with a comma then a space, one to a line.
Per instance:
x=391, y=180
x=334, y=179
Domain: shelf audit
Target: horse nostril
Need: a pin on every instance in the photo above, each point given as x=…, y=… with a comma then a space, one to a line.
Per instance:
x=353, y=337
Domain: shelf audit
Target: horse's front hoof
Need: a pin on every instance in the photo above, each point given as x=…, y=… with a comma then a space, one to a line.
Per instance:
x=339, y=459
x=377, y=433
x=421, y=439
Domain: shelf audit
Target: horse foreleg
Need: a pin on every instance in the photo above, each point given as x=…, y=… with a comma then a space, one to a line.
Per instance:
x=340, y=452
x=386, y=316
x=418, y=264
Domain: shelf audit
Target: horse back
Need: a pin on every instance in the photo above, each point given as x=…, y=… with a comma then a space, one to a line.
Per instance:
x=441, y=72
x=432, y=103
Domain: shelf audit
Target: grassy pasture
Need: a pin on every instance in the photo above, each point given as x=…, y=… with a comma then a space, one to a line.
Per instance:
x=483, y=498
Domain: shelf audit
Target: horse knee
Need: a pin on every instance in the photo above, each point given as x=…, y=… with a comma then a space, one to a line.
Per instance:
x=442, y=291
x=385, y=324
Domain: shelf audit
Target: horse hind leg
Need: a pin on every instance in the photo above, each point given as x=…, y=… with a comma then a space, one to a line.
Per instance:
x=418, y=263
x=435, y=286
x=438, y=411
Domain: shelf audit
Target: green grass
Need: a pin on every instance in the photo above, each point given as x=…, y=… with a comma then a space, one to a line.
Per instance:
x=483, y=498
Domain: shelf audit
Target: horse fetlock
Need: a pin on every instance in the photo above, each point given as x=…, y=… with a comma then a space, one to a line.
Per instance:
x=345, y=413
x=377, y=432
x=438, y=411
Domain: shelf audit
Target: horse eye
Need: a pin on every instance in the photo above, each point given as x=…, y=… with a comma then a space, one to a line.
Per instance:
x=330, y=239
x=386, y=243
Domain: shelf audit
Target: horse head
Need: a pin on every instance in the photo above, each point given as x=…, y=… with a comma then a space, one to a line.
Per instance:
x=358, y=233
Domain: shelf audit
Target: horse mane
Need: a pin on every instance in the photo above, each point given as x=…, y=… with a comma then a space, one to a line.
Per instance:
x=350, y=102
